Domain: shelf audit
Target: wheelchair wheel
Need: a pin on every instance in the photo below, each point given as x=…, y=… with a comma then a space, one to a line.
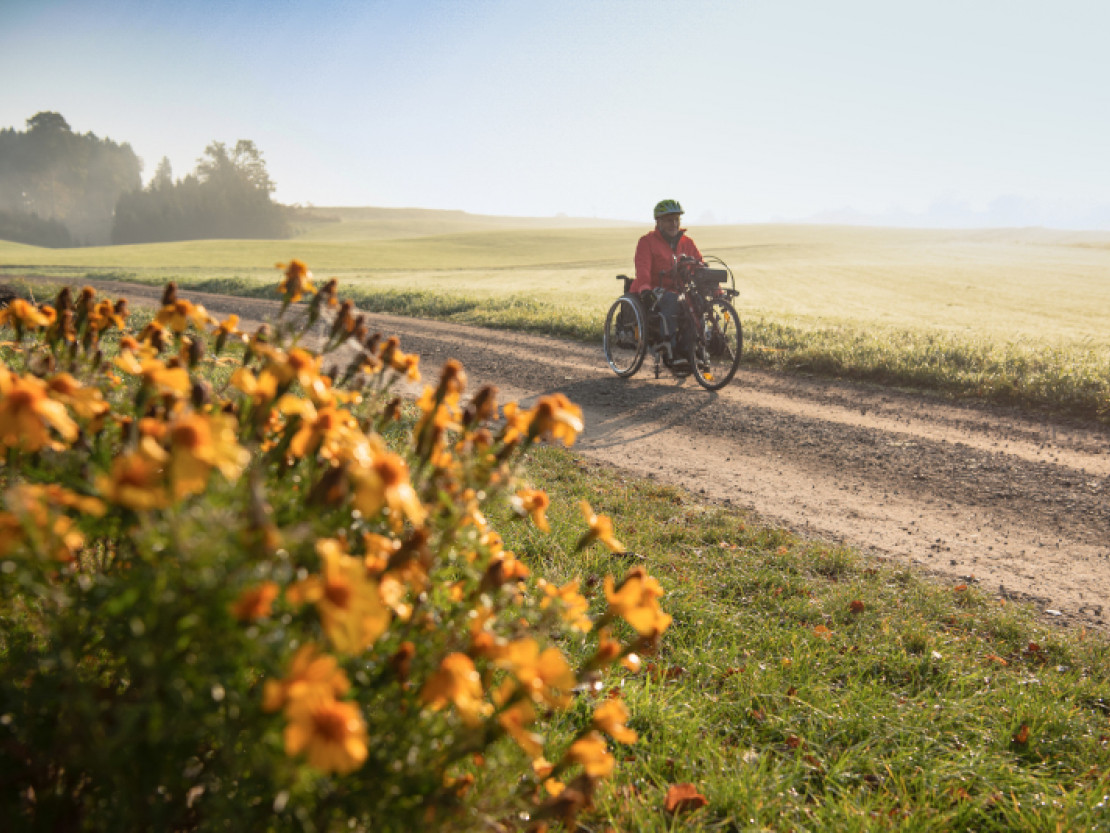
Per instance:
x=625, y=338
x=715, y=349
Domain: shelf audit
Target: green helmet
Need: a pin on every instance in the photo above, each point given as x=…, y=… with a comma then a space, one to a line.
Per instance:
x=668, y=207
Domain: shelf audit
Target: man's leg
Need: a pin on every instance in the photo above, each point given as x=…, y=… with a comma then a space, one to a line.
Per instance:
x=668, y=318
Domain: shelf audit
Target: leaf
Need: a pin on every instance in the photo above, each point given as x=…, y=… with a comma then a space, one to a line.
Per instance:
x=1022, y=736
x=959, y=588
x=857, y=606
x=683, y=797
x=823, y=632
x=997, y=658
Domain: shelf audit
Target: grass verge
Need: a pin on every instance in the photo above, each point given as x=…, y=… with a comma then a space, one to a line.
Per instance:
x=804, y=687
x=1067, y=379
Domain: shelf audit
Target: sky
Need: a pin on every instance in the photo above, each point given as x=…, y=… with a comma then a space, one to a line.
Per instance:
x=899, y=112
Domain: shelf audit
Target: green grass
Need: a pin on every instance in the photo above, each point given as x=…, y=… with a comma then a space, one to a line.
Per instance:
x=1016, y=316
x=804, y=687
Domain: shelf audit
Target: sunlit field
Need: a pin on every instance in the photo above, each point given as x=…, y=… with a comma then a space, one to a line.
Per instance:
x=812, y=297
x=1026, y=283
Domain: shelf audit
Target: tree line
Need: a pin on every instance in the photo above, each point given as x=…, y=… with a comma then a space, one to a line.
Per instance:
x=60, y=188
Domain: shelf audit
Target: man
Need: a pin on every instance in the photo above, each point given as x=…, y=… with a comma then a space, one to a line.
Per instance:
x=657, y=256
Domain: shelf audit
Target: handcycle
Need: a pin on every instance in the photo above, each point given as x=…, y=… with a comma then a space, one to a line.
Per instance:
x=709, y=338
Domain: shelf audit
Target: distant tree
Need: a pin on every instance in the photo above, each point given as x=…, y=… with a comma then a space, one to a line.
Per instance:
x=49, y=123
x=58, y=175
x=33, y=230
x=163, y=175
x=229, y=195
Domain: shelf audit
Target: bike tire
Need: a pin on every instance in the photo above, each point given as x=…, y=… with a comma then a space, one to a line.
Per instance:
x=714, y=351
x=625, y=338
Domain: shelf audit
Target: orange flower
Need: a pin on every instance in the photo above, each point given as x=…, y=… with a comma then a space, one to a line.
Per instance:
x=55, y=536
x=86, y=402
x=545, y=676
x=636, y=600
x=104, y=315
x=171, y=380
x=533, y=502
x=574, y=605
x=385, y=483
x=331, y=733
x=27, y=414
x=601, y=529
x=176, y=315
x=296, y=282
x=515, y=721
x=261, y=389
x=406, y=363
x=137, y=479
x=443, y=415
x=456, y=682
x=22, y=313
x=325, y=431
x=610, y=718
x=556, y=417
x=199, y=443
x=227, y=328
x=592, y=753
x=296, y=364
x=516, y=422
x=255, y=602
x=348, y=600
x=309, y=670
x=54, y=495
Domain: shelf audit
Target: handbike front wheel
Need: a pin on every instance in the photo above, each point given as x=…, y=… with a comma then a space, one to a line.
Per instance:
x=625, y=339
x=715, y=351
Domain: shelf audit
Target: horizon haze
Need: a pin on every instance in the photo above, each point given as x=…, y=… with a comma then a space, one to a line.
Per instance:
x=863, y=112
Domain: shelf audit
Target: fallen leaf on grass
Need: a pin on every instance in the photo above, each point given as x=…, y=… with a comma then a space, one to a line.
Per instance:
x=857, y=606
x=997, y=658
x=683, y=797
x=823, y=632
x=1022, y=736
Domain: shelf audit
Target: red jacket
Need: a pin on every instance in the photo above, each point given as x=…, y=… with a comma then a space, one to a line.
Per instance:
x=654, y=255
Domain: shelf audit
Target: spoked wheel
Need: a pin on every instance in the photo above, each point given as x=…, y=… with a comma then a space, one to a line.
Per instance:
x=715, y=352
x=625, y=336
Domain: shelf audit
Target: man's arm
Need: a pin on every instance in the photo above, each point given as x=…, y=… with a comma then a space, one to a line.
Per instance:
x=643, y=265
x=693, y=251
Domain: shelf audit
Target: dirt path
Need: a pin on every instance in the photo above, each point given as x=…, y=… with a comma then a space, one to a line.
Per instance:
x=1018, y=504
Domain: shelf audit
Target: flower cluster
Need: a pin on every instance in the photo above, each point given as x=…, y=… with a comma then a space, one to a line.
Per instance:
x=205, y=522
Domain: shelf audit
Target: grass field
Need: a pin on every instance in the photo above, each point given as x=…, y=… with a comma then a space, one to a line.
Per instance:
x=1018, y=315
x=803, y=687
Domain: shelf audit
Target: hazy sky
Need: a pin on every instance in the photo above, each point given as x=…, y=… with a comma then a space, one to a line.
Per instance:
x=745, y=110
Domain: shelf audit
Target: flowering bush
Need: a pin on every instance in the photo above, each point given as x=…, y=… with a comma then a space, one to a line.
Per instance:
x=241, y=591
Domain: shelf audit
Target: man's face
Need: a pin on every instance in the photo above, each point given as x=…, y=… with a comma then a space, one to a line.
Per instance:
x=669, y=224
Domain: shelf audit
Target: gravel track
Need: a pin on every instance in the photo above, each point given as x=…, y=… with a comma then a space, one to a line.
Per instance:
x=1017, y=503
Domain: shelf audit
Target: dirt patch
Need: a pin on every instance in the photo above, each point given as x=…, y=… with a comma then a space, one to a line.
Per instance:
x=1018, y=504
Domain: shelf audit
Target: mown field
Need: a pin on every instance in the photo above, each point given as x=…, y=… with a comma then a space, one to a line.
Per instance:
x=1019, y=316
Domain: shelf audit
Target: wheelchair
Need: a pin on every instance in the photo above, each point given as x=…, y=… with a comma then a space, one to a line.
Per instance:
x=709, y=339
